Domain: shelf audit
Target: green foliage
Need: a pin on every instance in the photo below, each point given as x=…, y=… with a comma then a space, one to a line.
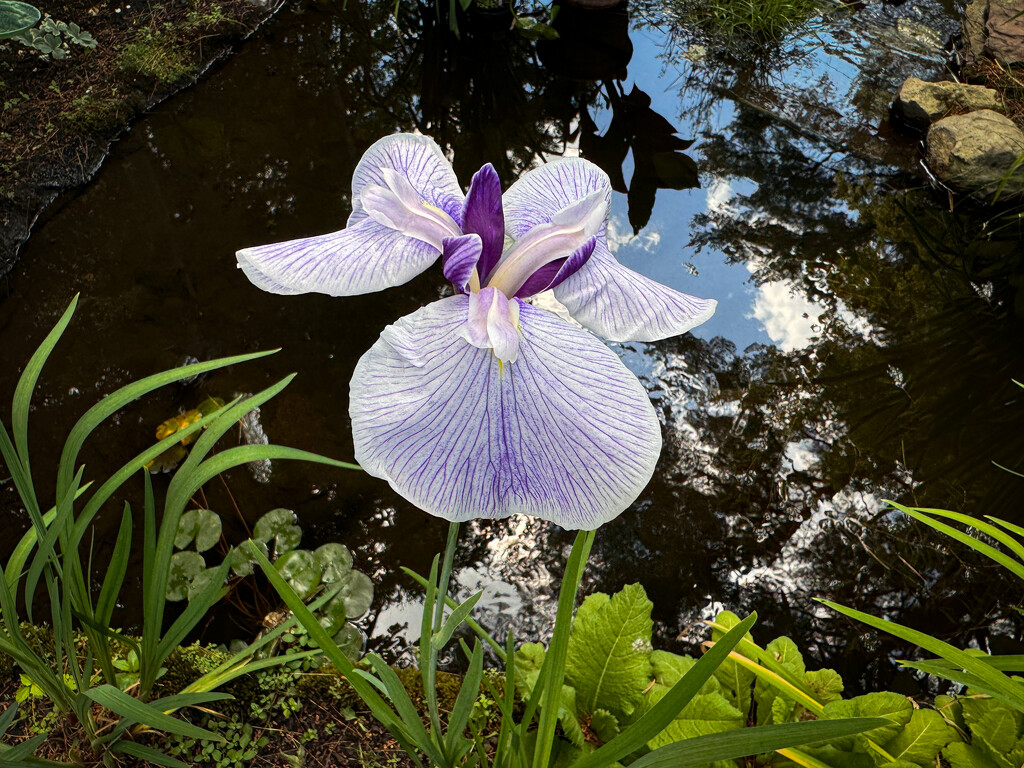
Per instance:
x=93, y=112
x=54, y=38
x=52, y=552
x=155, y=55
x=762, y=20
x=16, y=17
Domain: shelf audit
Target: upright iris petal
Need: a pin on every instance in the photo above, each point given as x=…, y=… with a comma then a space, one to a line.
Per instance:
x=481, y=405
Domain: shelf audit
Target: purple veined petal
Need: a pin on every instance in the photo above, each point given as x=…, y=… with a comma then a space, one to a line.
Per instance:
x=459, y=259
x=363, y=258
x=556, y=272
x=567, y=232
x=398, y=206
x=419, y=160
x=482, y=214
x=619, y=304
x=492, y=322
x=566, y=433
x=538, y=195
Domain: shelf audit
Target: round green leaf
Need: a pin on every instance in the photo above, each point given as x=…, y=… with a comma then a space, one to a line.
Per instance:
x=185, y=566
x=350, y=641
x=335, y=561
x=357, y=592
x=300, y=570
x=200, y=525
x=16, y=17
x=239, y=560
x=332, y=616
x=278, y=524
x=200, y=581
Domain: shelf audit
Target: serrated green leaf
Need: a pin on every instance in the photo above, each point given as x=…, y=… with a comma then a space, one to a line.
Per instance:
x=825, y=684
x=922, y=738
x=994, y=726
x=604, y=725
x=785, y=651
x=705, y=714
x=962, y=755
x=893, y=707
x=737, y=681
x=608, y=659
x=669, y=668
x=202, y=526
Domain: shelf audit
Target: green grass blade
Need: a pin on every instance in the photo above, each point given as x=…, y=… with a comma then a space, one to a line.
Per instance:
x=8, y=718
x=116, y=569
x=22, y=750
x=21, y=404
x=760, y=740
x=127, y=394
x=482, y=633
x=1001, y=686
x=454, y=620
x=169, y=704
x=556, y=653
x=47, y=553
x=384, y=714
x=925, y=516
x=1007, y=525
x=132, y=709
x=468, y=691
x=664, y=712
x=147, y=754
x=406, y=710
x=1005, y=663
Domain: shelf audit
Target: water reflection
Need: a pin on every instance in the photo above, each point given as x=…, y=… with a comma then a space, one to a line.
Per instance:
x=890, y=375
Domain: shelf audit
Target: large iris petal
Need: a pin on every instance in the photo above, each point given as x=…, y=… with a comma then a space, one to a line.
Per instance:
x=566, y=432
x=367, y=255
x=359, y=259
x=611, y=300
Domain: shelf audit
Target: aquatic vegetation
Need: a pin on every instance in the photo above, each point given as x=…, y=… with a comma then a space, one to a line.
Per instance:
x=52, y=552
x=560, y=428
x=763, y=20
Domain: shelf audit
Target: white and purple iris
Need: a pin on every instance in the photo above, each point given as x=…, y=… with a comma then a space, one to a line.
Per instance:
x=481, y=404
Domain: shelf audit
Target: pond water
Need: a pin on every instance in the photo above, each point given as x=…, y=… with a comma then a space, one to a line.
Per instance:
x=864, y=346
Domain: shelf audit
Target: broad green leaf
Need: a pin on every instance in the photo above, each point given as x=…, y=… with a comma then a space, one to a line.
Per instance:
x=739, y=743
x=335, y=561
x=240, y=562
x=300, y=569
x=357, y=592
x=202, y=526
x=995, y=727
x=962, y=755
x=922, y=738
x=185, y=566
x=706, y=713
x=786, y=653
x=604, y=725
x=529, y=660
x=332, y=616
x=893, y=707
x=825, y=684
x=737, y=681
x=350, y=642
x=279, y=525
x=608, y=660
x=782, y=711
x=669, y=668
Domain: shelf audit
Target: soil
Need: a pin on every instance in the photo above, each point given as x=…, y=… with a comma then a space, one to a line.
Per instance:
x=59, y=117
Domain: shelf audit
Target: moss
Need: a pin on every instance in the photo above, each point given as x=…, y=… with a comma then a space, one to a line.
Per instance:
x=94, y=114
x=155, y=56
x=187, y=664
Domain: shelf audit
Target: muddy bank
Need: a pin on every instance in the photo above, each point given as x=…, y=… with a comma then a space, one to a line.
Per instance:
x=61, y=112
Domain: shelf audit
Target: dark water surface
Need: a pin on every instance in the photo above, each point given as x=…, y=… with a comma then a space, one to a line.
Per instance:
x=863, y=349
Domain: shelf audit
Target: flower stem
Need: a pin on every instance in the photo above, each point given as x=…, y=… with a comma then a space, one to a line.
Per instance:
x=555, y=657
x=429, y=665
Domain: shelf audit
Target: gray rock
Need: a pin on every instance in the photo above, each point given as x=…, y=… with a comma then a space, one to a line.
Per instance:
x=1004, y=27
x=976, y=152
x=974, y=29
x=922, y=103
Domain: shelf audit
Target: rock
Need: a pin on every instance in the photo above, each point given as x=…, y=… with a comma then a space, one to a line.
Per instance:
x=921, y=103
x=974, y=29
x=976, y=151
x=1004, y=26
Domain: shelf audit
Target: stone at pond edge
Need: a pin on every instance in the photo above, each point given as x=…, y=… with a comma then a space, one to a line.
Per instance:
x=974, y=29
x=921, y=103
x=1004, y=26
x=974, y=152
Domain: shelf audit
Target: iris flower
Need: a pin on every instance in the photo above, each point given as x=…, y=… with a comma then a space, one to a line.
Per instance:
x=482, y=405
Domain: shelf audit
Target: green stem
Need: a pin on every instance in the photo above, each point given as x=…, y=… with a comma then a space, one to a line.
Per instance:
x=555, y=657
x=430, y=668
